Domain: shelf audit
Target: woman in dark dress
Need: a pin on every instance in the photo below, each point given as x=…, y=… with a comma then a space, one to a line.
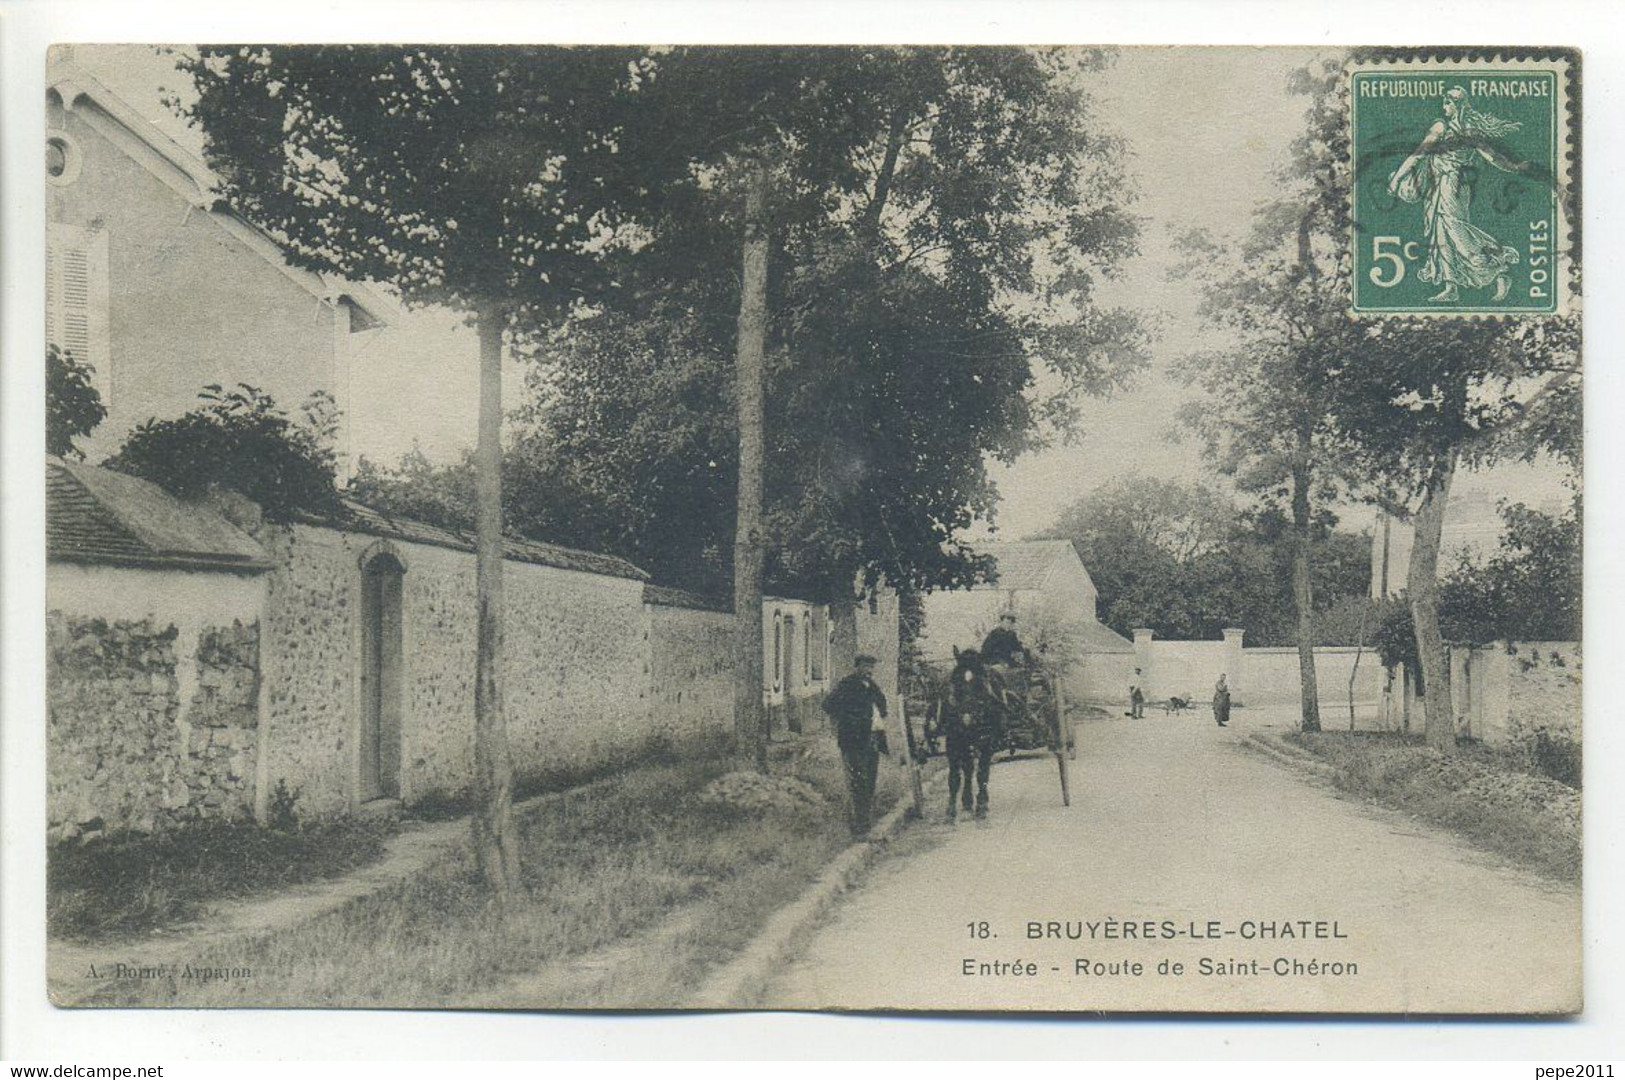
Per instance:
x=1221, y=701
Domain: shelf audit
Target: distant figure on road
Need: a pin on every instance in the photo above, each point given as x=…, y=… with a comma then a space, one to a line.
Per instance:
x=1136, y=695
x=1221, y=701
x=858, y=707
x=1002, y=646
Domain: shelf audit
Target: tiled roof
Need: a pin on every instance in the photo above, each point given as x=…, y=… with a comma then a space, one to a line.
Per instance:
x=364, y=519
x=670, y=597
x=1023, y=564
x=96, y=515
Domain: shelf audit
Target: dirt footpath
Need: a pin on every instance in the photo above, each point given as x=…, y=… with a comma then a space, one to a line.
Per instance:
x=1268, y=890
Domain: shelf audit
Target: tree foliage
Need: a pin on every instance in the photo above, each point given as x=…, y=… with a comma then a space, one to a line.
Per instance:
x=419, y=489
x=242, y=441
x=73, y=406
x=457, y=174
x=1528, y=590
x=939, y=219
x=1186, y=562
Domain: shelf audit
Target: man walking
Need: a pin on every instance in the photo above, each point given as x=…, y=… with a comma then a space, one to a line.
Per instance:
x=858, y=707
x=1136, y=695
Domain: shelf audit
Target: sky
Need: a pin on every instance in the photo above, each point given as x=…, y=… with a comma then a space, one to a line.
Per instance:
x=1207, y=130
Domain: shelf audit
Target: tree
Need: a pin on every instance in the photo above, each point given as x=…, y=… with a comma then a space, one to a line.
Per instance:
x=1414, y=400
x=1279, y=300
x=241, y=441
x=937, y=219
x=750, y=718
x=927, y=217
x=1143, y=540
x=486, y=179
x=1427, y=399
x=73, y=406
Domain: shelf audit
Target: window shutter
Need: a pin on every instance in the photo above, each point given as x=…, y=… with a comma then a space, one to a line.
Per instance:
x=76, y=300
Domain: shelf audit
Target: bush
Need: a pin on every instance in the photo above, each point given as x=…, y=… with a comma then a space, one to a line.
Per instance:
x=1556, y=757
x=73, y=407
x=284, y=813
x=1495, y=798
x=242, y=441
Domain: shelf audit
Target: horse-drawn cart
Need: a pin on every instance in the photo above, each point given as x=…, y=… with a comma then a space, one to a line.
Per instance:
x=973, y=710
x=1031, y=716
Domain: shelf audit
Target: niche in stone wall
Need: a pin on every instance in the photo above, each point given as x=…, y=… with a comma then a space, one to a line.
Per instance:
x=381, y=675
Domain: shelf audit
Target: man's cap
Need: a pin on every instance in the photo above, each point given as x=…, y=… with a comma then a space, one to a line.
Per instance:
x=864, y=658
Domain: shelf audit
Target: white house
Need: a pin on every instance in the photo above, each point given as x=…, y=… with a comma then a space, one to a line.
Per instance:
x=1046, y=585
x=162, y=288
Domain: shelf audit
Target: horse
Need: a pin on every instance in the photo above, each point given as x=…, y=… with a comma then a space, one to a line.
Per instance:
x=971, y=718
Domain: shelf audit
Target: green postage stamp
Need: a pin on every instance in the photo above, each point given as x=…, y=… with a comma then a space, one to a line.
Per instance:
x=1461, y=186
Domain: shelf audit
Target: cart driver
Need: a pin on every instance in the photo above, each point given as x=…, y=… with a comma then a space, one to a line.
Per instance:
x=1002, y=646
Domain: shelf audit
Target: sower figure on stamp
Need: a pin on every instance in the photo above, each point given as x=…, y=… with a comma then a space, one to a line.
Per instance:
x=1438, y=175
x=858, y=707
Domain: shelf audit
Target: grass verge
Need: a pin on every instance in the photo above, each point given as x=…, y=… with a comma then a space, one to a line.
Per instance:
x=601, y=865
x=1492, y=798
x=136, y=884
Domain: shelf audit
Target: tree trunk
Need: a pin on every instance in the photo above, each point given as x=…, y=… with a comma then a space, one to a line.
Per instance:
x=1422, y=583
x=496, y=847
x=750, y=717
x=1303, y=597
x=1359, y=651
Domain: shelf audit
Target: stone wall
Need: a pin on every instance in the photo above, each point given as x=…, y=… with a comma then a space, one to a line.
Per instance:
x=1102, y=679
x=1258, y=677
x=1517, y=693
x=690, y=671
x=576, y=666
x=1188, y=669
x=176, y=695
x=152, y=698
x=1271, y=676
x=311, y=633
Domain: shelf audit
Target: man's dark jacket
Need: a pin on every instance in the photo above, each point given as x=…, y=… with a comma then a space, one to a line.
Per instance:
x=852, y=704
x=1000, y=646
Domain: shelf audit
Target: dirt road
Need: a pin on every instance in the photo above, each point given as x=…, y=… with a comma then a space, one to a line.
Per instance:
x=1269, y=890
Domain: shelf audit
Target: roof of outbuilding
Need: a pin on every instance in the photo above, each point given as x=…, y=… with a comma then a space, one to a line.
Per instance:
x=1100, y=638
x=359, y=518
x=1024, y=564
x=95, y=515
